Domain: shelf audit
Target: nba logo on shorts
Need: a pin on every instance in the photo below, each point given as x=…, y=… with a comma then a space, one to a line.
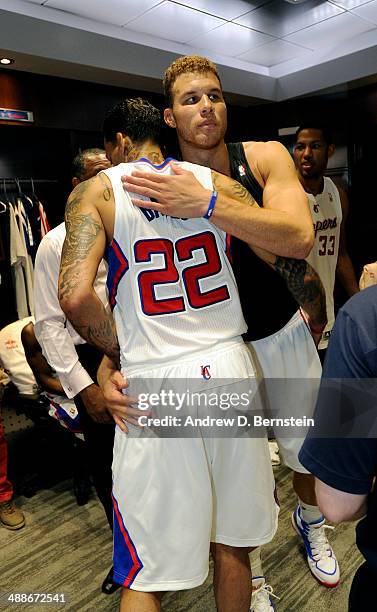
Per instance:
x=205, y=372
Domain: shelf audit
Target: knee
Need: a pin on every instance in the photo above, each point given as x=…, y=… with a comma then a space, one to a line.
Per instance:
x=224, y=551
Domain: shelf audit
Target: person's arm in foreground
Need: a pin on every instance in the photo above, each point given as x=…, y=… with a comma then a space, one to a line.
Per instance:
x=83, y=250
x=283, y=226
x=345, y=467
x=339, y=506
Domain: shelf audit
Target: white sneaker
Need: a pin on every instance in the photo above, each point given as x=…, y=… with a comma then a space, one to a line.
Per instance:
x=321, y=558
x=274, y=452
x=261, y=597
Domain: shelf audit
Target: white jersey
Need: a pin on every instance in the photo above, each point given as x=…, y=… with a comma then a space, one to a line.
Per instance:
x=12, y=357
x=326, y=212
x=170, y=281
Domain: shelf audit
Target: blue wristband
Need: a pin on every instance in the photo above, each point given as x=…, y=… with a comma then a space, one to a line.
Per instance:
x=211, y=206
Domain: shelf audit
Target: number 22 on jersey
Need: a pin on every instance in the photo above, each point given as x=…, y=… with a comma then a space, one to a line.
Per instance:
x=190, y=277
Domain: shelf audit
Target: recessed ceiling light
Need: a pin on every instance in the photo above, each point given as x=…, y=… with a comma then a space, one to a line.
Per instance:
x=6, y=61
x=295, y=1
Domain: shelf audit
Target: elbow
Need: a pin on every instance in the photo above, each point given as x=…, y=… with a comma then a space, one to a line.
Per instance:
x=336, y=506
x=333, y=512
x=337, y=512
x=65, y=302
x=72, y=304
x=304, y=243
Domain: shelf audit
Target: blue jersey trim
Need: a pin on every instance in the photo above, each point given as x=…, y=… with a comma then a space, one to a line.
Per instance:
x=158, y=167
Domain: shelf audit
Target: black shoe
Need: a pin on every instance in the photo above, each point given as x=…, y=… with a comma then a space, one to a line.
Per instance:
x=109, y=586
x=82, y=489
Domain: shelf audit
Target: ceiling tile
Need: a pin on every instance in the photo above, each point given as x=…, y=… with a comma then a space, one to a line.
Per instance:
x=174, y=22
x=226, y=10
x=349, y=4
x=34, y=1
x=368, y=11
x=280, y=18
x=331, y=32
x=231, y=39
x=273, y=53
x=117, y=12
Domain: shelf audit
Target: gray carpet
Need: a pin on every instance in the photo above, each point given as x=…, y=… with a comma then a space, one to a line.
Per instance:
x=67, y=549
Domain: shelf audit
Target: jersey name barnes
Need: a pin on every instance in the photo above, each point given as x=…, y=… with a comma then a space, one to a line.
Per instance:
x=151, y=215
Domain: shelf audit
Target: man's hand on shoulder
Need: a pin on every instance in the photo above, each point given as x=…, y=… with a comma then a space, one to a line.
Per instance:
x=95, y=404
x=177, y=195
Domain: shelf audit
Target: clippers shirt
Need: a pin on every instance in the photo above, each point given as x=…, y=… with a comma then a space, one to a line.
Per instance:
x=170, y=281
x=326, y=211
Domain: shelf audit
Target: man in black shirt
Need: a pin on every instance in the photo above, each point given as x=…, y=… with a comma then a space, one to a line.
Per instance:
x=346, y=468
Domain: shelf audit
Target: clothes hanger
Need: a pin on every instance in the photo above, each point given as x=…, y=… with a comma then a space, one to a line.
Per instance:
x=34, y=195
x=7, y=199
x=21, y=195
x=18, y=187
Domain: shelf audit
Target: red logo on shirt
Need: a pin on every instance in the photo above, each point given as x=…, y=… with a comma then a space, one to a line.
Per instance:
x=11, y=344
x=205, y=372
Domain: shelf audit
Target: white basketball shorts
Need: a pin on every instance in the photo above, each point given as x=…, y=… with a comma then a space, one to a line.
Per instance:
x=173, y=496
x=290, y=354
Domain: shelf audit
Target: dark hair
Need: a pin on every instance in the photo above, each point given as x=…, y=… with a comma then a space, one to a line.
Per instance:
x=78, y=162
x=134, y=117
x=326, y=131
x=195, y=64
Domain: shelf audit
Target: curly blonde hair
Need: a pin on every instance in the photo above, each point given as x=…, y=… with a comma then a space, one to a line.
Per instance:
x=183, y=65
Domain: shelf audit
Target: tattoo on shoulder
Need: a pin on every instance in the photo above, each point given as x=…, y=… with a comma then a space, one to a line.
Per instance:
x=76, y=197
x=106, y=194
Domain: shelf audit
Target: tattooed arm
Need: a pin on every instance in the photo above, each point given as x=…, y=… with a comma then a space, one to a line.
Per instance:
x=89, y=219
x=302, y=280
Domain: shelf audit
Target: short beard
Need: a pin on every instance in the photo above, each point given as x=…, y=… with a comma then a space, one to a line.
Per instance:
x=315, y=174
